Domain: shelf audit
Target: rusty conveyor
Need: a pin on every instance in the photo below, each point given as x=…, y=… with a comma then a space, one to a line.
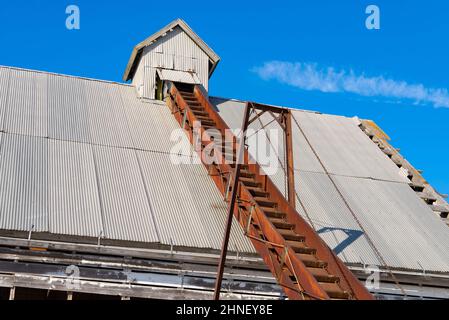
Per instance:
x=303, y=265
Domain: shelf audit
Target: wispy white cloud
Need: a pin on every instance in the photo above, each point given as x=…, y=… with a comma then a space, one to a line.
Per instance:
x=309, y=76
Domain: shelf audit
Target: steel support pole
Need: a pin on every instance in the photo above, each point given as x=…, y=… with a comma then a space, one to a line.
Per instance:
x=235, y=184
x=289, y=157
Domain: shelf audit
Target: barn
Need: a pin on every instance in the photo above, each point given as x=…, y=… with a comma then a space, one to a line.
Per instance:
x=103, y=195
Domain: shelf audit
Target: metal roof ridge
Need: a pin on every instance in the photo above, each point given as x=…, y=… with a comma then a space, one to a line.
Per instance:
x=65, y=75
x=282, y=107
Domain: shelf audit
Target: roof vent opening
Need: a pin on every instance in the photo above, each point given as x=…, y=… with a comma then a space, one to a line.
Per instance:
x=163, y=87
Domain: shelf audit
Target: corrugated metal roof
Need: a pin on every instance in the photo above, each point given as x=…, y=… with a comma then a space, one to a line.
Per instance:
x=152, y=124
x=126, y=211
x=400, y=224
x=90, y=158
x=344, y=149
x=106, y=115
x=26, y=110
x=23, y=181
x=188, y=208
x=74, y=203
x=375, y=194
x=67, y=109
x=4, y=87
x=81, y=157
x=320, y=205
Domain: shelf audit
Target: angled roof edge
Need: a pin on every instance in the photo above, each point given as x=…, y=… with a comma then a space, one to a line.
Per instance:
x=63, y=75
x=214, y=58
x=266, y=104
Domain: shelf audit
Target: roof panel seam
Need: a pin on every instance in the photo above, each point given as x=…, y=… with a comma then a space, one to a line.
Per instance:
x=97, y=181
x=2, y=120
x=153, y=219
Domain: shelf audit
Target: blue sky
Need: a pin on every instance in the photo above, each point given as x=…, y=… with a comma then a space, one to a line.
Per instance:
x=411, y=46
